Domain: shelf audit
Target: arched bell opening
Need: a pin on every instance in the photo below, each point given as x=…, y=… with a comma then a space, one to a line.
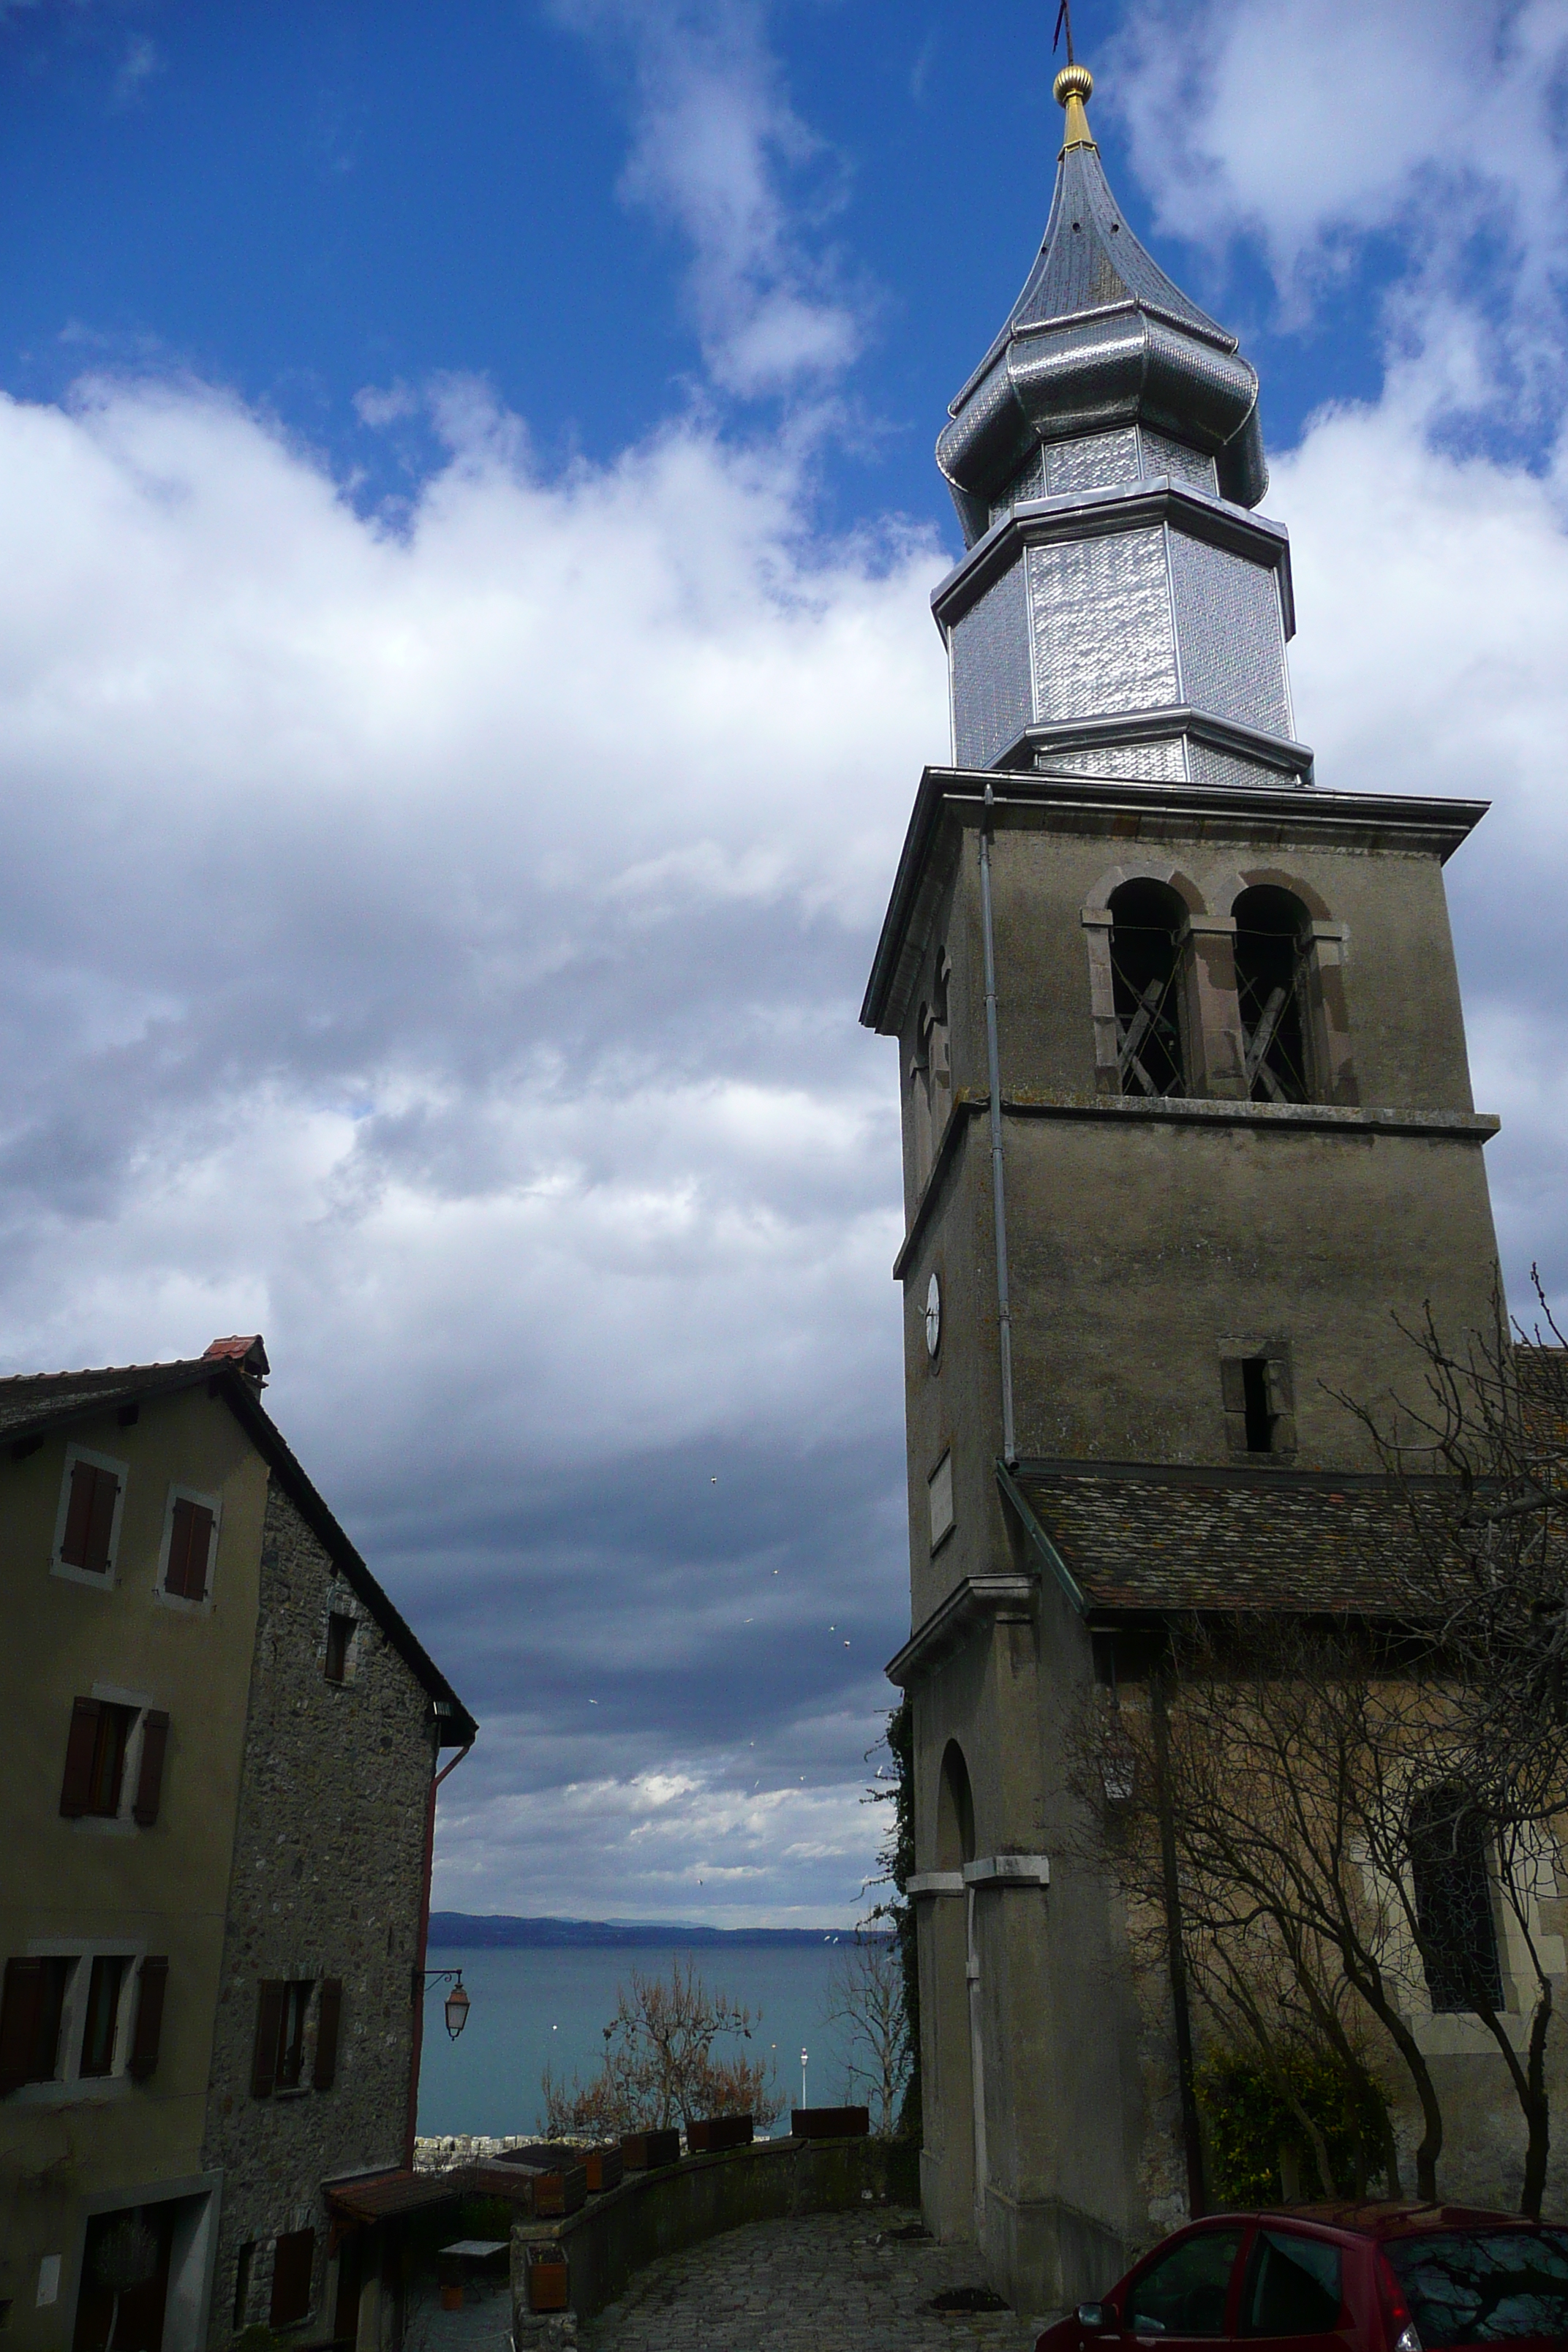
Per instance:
x=1273, y=937
x=1149, y=938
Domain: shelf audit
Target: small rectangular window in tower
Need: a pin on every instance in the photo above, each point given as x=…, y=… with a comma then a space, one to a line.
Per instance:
x=1255, y=1389
x=939, y=1489
x=340, y=1642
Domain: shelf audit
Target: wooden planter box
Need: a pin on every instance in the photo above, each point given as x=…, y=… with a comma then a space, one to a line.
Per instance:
x=641, y=2151
x=547, y=2279
x=560, y=2178
x=556, y=2194
x=830, y=2123
x=605, y=2167
x=714, y=2132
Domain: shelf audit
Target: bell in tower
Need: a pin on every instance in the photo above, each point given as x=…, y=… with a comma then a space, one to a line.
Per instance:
x=1187, y=1136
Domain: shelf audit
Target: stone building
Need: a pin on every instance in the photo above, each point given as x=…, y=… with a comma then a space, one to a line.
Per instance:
x=220, y=1805
x=1186, y=1123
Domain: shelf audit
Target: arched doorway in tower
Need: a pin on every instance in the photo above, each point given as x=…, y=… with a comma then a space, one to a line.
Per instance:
x=955, y=1846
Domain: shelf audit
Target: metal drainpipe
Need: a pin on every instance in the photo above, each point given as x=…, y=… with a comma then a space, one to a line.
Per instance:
x=418, y=2052
x=998, y=1179
x=1192, y=2137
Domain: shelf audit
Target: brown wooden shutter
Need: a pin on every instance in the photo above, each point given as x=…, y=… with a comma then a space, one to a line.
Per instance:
x=293, y=2262
x=268, y=2019
x=150, y=1780
x=326, y=2065
x=199, y=1544
x=152, y=1985
x=190, y=1547
x=82, y=1743
x=178, y=1570
x=1232, y=1384
x=19, y=2007
x=78, y=1515
x=101, y=1518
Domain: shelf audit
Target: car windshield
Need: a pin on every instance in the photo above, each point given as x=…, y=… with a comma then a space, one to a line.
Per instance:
x=1484, y=2286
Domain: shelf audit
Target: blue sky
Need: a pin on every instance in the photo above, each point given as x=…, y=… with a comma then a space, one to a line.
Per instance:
x=467, y=520
x=302, y=201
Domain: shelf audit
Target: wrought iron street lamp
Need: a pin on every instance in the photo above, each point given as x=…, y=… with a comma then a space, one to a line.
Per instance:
x=456, y=2004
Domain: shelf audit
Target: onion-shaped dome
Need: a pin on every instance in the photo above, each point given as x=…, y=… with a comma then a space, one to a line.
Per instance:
x=1098, y=338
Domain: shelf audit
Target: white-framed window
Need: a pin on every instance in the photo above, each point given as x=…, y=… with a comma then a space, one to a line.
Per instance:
x=86, y=1524
x=117, y=1745
x=71, y=2011
x=187, y=1554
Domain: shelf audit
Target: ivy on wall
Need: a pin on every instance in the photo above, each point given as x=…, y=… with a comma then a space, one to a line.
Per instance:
x=897, y=1857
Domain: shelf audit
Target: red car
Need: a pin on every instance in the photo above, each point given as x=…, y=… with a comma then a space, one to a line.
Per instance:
x=1338, y=2278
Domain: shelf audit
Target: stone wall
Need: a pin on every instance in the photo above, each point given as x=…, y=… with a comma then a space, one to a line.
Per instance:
x=652, y=2214
x=327, y=1883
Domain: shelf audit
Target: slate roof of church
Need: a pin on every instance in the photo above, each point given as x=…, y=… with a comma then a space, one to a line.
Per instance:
x=1131, y=1537
x=33, y=1405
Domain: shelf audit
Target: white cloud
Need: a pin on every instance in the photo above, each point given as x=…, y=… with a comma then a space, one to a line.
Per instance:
x=683, y=1841
x=718, y=151
x=1432, y=591
x=1312, y=129
x=439, y=949
x=137, y=68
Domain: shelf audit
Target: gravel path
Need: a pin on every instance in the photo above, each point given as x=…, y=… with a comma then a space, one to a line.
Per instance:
x=829, y=2283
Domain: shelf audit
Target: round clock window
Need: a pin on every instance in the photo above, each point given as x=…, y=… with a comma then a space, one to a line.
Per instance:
x=933, y=1317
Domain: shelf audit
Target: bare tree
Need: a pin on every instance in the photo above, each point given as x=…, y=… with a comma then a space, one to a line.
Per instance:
x=659, y=2065
x=1308, y=1805
x=1481, y=1457
x=1226, y=1792
x=865, y=2005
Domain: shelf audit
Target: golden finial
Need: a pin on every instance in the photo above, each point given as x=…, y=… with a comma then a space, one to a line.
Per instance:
x=1072, y=86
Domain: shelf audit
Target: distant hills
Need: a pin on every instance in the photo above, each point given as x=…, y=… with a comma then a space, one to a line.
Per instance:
x=494, y=1931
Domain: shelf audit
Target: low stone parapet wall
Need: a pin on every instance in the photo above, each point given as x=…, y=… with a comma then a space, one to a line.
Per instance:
x=662, y=2212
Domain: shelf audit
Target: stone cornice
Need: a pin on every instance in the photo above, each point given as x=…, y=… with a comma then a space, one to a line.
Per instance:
x=1124, y=810
x=977, y=1600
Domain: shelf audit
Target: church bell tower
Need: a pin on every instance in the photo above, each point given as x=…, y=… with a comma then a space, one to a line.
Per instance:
x=1187, y=1133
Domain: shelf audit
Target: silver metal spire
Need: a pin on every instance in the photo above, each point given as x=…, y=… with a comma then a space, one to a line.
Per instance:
x=1122, y=612
x=1099, y=336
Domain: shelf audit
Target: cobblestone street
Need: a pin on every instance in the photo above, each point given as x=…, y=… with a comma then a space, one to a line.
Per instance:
x=830, y=2283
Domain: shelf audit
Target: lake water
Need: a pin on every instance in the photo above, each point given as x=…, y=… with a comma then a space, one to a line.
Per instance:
x=536, y=2009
